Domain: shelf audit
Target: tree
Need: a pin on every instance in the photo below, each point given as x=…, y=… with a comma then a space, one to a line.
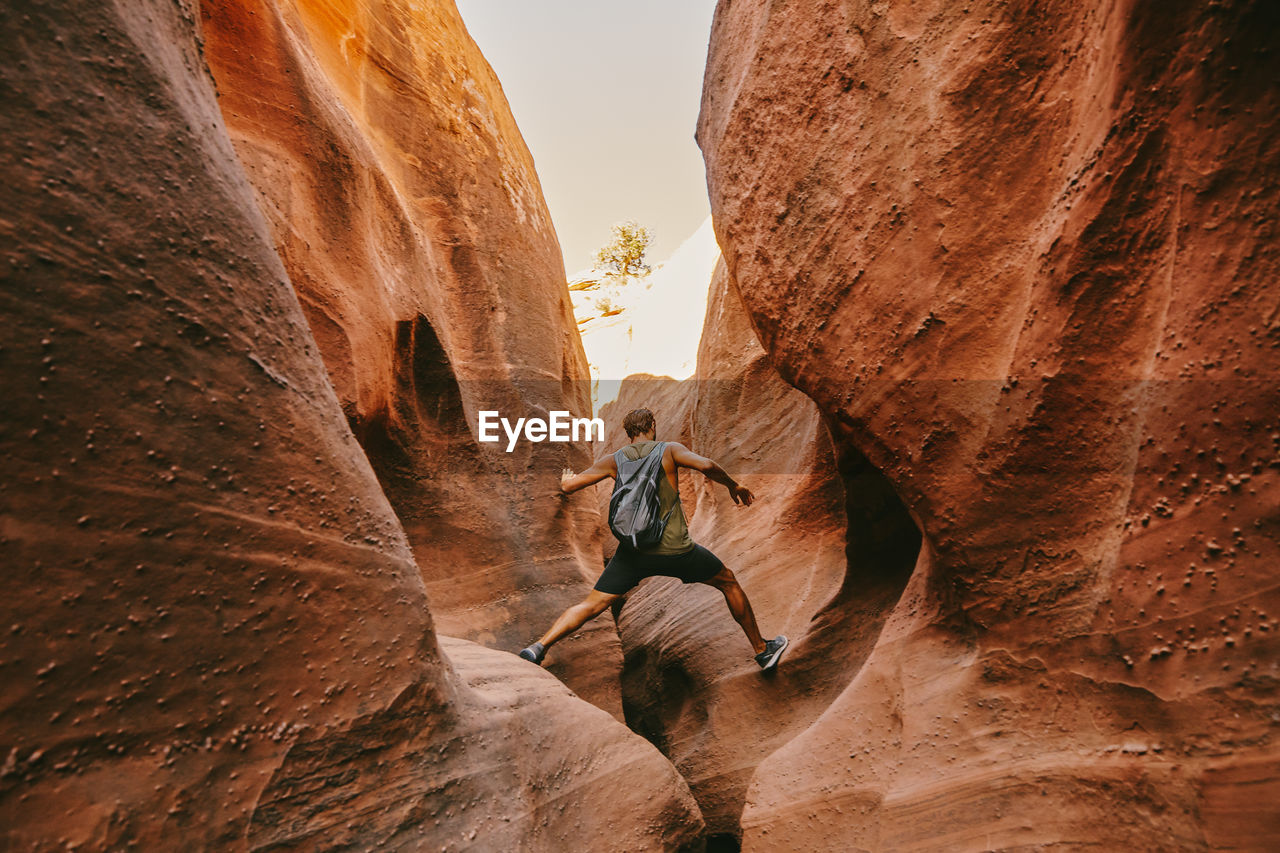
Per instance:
x=623, y=257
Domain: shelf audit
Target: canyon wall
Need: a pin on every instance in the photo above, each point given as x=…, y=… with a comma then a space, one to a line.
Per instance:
x=407, y=212
x=1021, y=256
x=215, y=632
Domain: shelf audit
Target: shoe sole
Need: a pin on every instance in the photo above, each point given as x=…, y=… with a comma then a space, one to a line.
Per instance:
x=773, y=661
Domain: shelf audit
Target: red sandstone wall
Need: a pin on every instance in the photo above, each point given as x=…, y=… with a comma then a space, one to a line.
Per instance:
x=215, y=634
x=407, y=212
x=1019, y=258
x=1022, y=256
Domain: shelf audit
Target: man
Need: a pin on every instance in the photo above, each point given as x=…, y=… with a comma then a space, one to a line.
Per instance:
x=675, y=556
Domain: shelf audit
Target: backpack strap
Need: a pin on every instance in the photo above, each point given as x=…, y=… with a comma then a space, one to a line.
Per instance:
x=661, y=449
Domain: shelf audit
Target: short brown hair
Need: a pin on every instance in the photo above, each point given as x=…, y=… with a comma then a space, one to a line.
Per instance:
x=638, y=421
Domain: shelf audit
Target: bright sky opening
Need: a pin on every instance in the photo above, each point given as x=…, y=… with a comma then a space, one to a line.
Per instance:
x=606, y=95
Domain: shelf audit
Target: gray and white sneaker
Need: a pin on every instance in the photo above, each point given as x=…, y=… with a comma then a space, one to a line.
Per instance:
x=772, y=653
x=534, y=653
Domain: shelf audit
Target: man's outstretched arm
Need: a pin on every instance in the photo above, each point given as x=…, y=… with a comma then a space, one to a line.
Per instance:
x=686, y=458
x=603, y=467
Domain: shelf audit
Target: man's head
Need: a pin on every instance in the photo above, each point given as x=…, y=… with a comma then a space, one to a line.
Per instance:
x=638, y=422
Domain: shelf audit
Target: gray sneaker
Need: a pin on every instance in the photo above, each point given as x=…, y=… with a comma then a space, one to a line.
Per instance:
x=772, y=653
x=534, y=653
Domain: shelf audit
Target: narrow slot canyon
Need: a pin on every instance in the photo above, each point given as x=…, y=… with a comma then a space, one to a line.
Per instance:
x=681, y=688
x=828, y=547
x=991, y=337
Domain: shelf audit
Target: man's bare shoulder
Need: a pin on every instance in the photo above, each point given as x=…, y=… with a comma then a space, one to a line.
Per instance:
x=683, y=456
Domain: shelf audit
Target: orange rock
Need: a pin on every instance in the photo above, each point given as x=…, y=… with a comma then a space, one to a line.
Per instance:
x=408, y=214
x=215, y=633
x=1020, y=255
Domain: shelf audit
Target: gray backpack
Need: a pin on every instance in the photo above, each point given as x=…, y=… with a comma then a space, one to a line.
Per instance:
x=634, y=507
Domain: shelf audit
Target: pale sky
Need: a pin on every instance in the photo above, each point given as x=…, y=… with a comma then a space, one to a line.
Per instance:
x=606, y=94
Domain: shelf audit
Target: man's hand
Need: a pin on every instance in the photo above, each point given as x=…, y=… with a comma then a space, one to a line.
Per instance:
x=565, y=476
x=741, y=494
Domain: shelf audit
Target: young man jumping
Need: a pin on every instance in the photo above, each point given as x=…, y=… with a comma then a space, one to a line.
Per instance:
x=675, y=556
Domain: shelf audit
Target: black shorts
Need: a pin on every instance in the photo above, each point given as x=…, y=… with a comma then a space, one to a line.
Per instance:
x=628, y=567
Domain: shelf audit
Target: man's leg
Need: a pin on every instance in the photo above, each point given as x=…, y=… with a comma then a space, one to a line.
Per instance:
x=739, y=606
x=617, y=575
x=576, y=616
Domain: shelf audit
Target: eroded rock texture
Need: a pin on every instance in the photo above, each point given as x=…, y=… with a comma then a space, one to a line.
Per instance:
x=215, y=634
x=407, y=212
x=1022, y=255
x=689, y=682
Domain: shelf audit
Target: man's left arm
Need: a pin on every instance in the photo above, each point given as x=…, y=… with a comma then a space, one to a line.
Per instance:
x=686, y=458
x=603, y=467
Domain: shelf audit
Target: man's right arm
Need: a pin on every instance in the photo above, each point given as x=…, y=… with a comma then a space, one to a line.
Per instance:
x=686, y=458
x=603, y=467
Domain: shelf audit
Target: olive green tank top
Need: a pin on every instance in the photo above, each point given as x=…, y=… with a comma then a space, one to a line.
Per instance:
x=675, y=539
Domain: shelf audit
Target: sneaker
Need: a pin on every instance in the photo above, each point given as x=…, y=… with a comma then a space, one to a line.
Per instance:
x=535, y=653
x=773, y=650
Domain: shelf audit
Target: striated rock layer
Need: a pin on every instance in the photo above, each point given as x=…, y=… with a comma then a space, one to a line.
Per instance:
x=215, y=634
x=1021, y=255
x=405, y=207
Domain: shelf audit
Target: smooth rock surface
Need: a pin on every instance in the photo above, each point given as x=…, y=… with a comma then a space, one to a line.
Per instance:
x=405, y=206
x=544, y=771
x=215, y=634
x=1022, y=257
